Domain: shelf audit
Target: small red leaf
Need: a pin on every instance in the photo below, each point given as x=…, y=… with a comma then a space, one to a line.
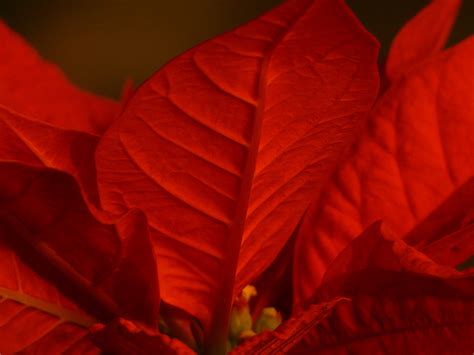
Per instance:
x=38, y=89
x=421, y=37
x=225, y=146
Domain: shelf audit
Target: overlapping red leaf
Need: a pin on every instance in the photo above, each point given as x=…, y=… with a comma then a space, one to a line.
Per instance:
x=416, y=150
x=402, y=301
x=48, y=201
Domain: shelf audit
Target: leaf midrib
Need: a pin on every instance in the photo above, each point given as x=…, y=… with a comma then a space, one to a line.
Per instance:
x=236, y=229
x=64, y=314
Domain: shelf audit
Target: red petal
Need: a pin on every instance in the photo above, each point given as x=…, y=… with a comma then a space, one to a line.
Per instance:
x=421, y=37
x=38, y=89
x=123, y=337
x=402, y=302
x=224, y=147
x=417, y=150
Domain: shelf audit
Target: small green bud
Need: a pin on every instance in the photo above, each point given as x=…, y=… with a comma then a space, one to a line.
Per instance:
x=247, y=334
x=269, y=319
x=240, y=321
x=240, y=317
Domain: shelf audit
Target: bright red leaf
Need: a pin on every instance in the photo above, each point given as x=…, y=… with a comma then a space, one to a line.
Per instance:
x=416, y=150
x=225, y=146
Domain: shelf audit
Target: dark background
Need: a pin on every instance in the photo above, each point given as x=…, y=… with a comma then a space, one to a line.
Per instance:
x=100, y=43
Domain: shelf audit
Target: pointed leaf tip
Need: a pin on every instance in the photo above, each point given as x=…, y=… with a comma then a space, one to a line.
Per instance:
x=423, y=36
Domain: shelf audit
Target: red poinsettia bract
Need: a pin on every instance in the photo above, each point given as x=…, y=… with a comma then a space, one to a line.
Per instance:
x=258, y=157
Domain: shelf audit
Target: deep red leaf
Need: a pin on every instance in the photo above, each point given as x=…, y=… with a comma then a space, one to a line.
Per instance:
x=38, y=89
x=417, y=149
x=402, y=302
x=123, y=337
x=34, y=316
x=421, y=37
x=225, y=146
x=396, y=320
x=110, y=260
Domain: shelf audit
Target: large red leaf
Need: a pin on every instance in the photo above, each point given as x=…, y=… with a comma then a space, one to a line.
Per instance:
x=417, y=149
x=34, y=316
x=421, y=37
x=36, y=88
x=402, y=302
x=225, y=146
x=110, y=260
